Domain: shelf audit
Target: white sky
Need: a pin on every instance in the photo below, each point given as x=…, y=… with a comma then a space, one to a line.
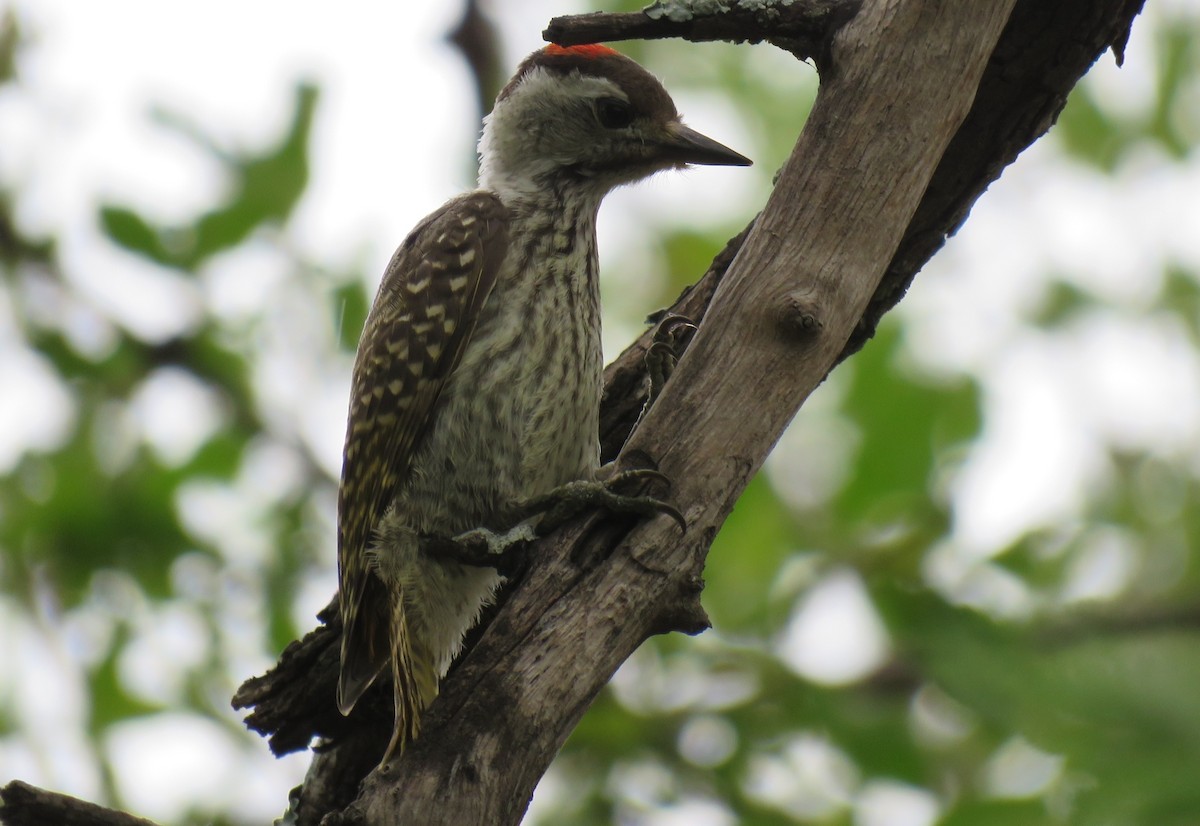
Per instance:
x=394, y=134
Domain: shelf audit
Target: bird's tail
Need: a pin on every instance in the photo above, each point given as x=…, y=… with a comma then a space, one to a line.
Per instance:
x=366, y=639
x=415, y=679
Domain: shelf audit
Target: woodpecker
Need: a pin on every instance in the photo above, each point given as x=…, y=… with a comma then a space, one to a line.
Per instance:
x=476, y=386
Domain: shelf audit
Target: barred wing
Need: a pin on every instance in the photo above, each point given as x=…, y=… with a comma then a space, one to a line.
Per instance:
x=423, y=317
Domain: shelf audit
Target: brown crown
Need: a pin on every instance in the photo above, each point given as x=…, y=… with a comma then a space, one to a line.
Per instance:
x=646, y=95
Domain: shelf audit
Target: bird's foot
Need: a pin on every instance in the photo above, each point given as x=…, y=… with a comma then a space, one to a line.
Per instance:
x=485, y=548
x=569, y=500
x=505, y=551
x=671, y=337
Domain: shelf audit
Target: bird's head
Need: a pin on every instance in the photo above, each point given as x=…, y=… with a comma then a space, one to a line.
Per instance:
x=589, y=116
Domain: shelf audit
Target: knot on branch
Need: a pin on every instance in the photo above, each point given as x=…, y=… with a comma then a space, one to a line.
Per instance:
x=684, y=613
x=799, y=316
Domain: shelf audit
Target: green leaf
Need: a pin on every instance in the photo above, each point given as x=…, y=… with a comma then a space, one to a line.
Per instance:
x=1063, y=302
x=219, y=457
x=10, y=45
x=88, y=519
x=907, y=426
x=267, y=188
x=747, y=554
x=1000, y=813
x=133, y=232
x=111, y=703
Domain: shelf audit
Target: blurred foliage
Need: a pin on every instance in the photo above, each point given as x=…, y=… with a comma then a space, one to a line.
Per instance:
x=102, y=512
x=264, y=190
x=1068, y=712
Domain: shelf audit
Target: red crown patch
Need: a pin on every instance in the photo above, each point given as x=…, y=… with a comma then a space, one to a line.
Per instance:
x=589, y=50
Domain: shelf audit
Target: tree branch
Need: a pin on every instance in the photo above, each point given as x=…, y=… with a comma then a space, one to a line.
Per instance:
x=26, y=805
x=476, y=38
x=802, y=27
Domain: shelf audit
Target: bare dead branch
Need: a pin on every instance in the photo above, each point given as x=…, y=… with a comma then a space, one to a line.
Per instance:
x=26, y=805
x=802, y=27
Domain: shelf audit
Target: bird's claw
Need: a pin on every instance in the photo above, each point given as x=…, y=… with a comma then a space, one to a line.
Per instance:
x=638, y=474
x=671, y=337
x=570, y=499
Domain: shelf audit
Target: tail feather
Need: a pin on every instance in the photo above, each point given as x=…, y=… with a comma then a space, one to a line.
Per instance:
x=414, y=678
x=366, y=642
x=376, y=631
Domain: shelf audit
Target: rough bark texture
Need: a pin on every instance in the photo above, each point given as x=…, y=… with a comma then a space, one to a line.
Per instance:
x=904, y=137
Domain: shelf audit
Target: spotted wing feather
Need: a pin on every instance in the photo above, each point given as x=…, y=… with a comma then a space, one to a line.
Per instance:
x=423, y=316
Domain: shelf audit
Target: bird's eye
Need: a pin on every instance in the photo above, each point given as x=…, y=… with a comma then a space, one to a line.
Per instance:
x=613, y=113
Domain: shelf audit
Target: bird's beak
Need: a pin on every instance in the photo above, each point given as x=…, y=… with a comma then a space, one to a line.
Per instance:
x=685, y=145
